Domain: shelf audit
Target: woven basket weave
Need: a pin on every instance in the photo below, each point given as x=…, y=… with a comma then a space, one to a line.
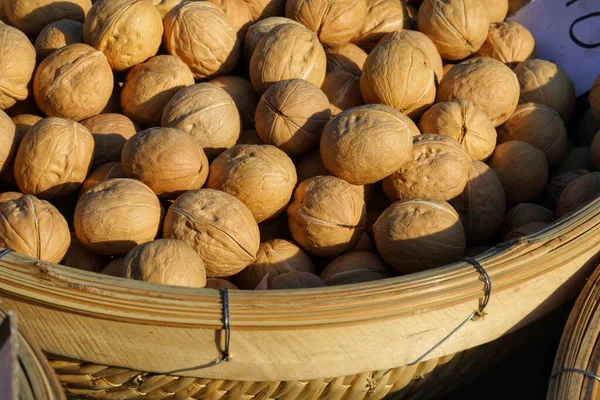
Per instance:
x=578, y=356
x=118, y=339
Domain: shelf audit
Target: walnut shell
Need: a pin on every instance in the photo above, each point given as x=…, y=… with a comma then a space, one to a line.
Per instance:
x=310, y=165
x=115, y=268
x=260, y=176
x=574, y=159
x=343, y=91
x=208, y=113
x=218, y=226
x=17, y=68
x=110, y=132
x=128, y=32
x=244, y=96
x=383, y=17
x=355, y=267
x=166, y=261
x=595, y=151
x=586, y=130
x=481, y=205
x=581, y=191
x=167, y=160
x=525, y=230
x=366, y=144
x=399, y=74
x=249, y=137
x=438, y=169
x=81, y=258
x=476, y=250
x=421, y=41
x=54, y=158
x=327, y=216
x=24, y=122
x=116, y=215
x=288, y=51
x=34, y=228
x=164, y=6
x=265, y=8
x=111, y=170
x=496, y=9
x=464, y=122
x=546, y=83
x=275, y=228
x=420, y=234
x=31, y=16
x=335, y=22
x=10, y=138
x=364, y=244
x=256, y=32
x=540, y=126
x=149, y=87
x=291, y=115
x=74, y=82
x=346, y=57
x=523, y=170
x=201, y=35
x=526, y=213
x=490, y=85
x=457, y=27
x=558, y=184
x=8, y=196
x=594, y=98
x=216, y=283
x=57, y=35
x=508, y=42
x=238, y=13
x=274, y=257
x=295, y=280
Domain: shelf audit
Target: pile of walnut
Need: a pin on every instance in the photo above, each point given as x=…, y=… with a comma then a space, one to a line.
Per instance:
x=271, y=144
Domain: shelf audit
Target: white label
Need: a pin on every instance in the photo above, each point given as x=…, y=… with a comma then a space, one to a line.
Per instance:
x=566, y=32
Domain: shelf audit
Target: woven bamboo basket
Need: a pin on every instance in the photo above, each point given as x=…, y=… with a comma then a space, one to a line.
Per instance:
x=117, y=339
x=35, y=377
x=577, y=365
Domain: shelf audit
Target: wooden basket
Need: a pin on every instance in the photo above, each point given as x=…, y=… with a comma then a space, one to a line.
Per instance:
x=35, y=379
x=120, y=339
x=578, y=357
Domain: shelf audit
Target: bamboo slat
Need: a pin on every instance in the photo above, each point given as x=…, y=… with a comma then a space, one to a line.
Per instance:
x=578, y=356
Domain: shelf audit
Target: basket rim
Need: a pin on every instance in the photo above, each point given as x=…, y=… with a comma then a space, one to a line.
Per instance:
x=508, y=264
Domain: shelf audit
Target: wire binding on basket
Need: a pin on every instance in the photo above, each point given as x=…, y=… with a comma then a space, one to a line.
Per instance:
x=225, y=356
x=476, y=314
x=4, y=253
x=577, y=370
